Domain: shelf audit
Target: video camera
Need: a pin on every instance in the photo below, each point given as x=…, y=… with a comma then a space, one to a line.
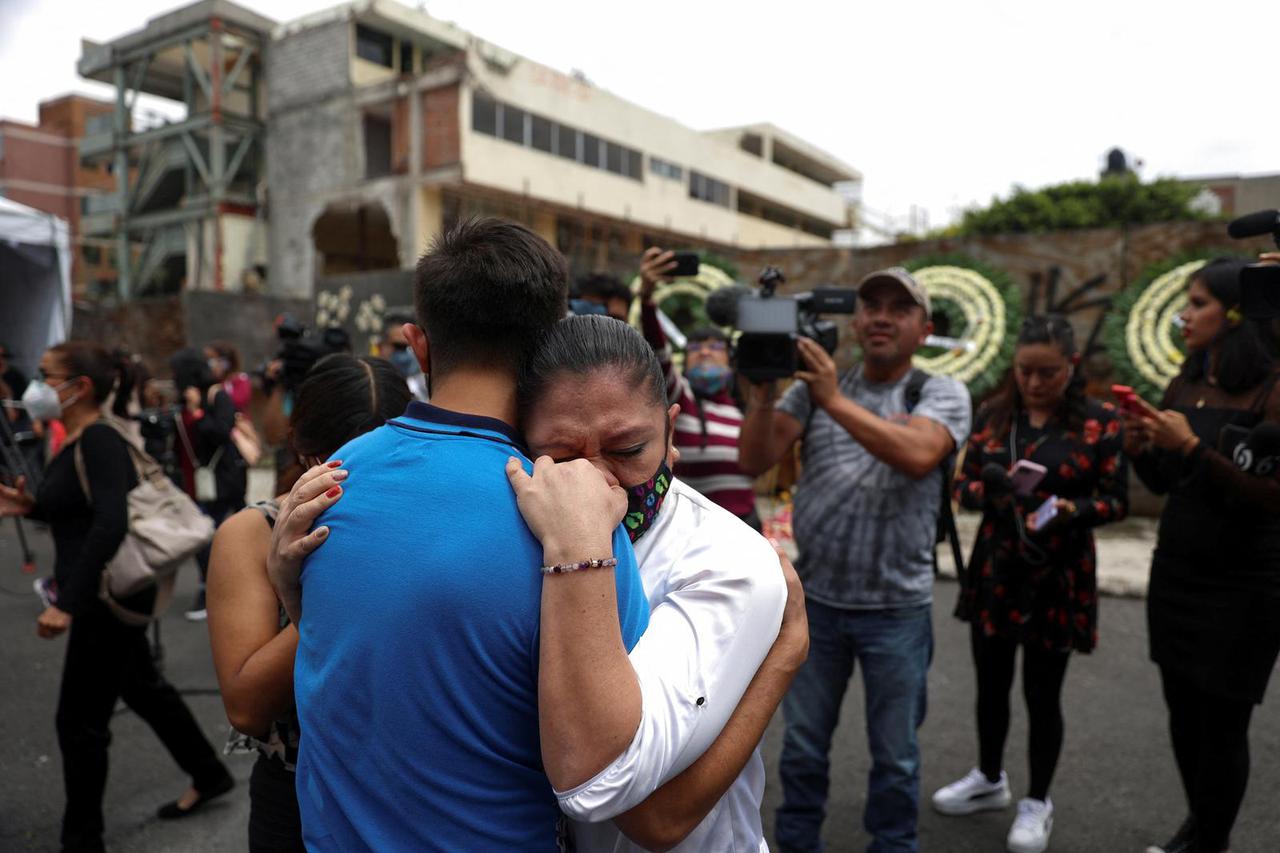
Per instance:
x=771, y=324
x=1259, y=283
x=300, y=349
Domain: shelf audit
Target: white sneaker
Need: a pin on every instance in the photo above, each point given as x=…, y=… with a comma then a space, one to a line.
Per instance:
x=974, y=793
x=1031, y=828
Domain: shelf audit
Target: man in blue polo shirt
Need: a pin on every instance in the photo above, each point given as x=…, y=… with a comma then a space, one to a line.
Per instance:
x=416, y=675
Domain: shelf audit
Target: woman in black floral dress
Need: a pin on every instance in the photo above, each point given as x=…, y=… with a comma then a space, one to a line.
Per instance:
x=1029, y=587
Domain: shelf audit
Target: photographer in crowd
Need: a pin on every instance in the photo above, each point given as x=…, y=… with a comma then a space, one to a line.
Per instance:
x=394, y=347
x=1032, y=581
x=708, y=426
x=866, y=513
x=605, y=291
x=1213, y=604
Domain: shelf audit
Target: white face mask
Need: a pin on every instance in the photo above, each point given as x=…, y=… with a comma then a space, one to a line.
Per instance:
x=41, y=400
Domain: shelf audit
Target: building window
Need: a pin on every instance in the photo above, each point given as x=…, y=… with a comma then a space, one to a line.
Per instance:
x=566, y=142
x=377, y=147
x=591, y=150
x=614, y=156
x=708, y=189
x=92, y=255
x=540, y=133
x=512, y=124
x=494, y=118
x=484, y=115
x=666, y=170
x=406, y=57
x=373, y=46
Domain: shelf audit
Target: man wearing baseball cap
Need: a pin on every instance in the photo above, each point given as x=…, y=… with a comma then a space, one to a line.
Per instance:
x=865, y=520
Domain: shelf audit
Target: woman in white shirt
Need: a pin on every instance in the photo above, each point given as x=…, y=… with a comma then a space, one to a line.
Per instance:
x=719, y=653
x=692, y=775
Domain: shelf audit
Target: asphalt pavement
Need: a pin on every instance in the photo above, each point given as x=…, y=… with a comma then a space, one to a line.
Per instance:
x=1116, y=789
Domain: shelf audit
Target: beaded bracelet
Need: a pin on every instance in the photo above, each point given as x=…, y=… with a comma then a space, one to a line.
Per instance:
x=577, y=567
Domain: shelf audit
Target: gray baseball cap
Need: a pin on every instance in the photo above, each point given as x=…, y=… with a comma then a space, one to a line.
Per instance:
x=903, y=279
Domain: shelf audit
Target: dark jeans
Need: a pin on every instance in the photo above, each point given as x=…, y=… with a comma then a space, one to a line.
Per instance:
x=894, y=648
x=1211, y=745
x=1042, y=676
x=275, y=825
x=106, y=660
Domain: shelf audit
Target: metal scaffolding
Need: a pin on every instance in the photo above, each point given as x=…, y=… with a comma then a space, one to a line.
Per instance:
x=175, y=179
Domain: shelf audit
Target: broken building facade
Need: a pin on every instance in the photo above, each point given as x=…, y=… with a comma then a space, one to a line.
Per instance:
x=334, y=147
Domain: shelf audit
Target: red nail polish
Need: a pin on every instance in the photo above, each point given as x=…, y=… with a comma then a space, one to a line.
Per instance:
x=334, y=492
x=335, y=463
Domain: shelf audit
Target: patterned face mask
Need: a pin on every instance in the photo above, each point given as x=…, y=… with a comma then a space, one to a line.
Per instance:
x=644, y=501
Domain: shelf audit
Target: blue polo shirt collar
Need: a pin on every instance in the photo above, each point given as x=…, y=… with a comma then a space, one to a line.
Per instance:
x=420, y=411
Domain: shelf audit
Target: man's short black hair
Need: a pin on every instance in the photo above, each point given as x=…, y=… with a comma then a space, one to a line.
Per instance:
x=707, y=333
x=602, y=286
x=486, y=291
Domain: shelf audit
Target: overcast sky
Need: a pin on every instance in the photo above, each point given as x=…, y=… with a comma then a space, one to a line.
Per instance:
x=938, y=103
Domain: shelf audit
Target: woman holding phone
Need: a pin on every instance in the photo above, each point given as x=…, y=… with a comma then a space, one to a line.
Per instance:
x=1213, y=604
x=1045, y=466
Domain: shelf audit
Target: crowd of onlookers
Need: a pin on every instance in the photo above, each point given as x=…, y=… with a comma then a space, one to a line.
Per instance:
x=442, y=692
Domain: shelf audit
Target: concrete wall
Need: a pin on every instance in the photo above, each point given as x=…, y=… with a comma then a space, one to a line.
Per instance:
x=1113, y=257
x=655, y=202
x=314, y=145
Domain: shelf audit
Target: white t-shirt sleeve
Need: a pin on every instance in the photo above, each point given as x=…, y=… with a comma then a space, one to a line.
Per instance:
x=705, y=641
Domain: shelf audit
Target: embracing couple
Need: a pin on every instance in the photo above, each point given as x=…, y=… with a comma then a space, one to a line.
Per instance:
x=489, y=643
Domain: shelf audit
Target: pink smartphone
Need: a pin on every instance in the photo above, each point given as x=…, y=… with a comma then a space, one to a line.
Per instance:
x=1026, y=475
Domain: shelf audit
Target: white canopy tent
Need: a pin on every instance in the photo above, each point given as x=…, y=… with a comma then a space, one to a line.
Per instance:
x=35, y=282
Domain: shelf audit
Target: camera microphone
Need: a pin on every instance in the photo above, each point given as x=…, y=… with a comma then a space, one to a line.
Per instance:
x=1255, y=224
x=1259, y=453
x=995, y=479
x=722, y=304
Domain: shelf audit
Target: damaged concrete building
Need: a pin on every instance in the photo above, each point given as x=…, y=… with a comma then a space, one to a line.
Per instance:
x=323, y=154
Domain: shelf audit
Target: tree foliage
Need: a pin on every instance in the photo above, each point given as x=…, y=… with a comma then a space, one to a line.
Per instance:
x=1113, y=201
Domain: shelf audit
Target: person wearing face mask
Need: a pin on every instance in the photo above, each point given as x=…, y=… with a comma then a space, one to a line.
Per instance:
x=394, y=347
x=106, y=659
x=1213, y=602
x=726, y=633
x=708, y=426
x=1033, y=584
x=224, y=363
x=865, y=519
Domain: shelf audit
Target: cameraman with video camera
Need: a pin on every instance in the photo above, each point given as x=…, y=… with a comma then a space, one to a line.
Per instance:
x=867, y=504
x=709, y=422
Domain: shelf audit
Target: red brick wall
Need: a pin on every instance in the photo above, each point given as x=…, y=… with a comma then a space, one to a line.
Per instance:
x=440, y=142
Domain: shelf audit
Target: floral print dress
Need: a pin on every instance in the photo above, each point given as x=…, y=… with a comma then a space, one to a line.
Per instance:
x=1044, y=593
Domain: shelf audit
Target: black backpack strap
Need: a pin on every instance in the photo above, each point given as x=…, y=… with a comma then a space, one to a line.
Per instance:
x=946, y=517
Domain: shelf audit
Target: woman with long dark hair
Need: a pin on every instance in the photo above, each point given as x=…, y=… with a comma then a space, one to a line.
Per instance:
x=106, y=659
x=253, y=642
x=1213, y=603
x=204, y=440
x=1032, y=581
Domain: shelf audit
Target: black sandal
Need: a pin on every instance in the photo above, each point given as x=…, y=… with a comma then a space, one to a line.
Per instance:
x=173, y=811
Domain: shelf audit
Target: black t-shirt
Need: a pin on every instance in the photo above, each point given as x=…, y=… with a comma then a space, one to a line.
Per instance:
x=86, y=534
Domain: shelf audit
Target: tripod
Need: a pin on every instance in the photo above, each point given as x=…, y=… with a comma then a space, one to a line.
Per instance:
x=16, y=464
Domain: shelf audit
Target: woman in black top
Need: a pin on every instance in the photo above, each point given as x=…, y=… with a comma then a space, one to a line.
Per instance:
x=1213, y=604
x=106, y=659
x=1028, y=585
x=253, y=641
x=207, y=418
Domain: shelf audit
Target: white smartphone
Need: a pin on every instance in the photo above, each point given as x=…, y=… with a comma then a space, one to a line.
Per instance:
x=1026, y=475
x=1047, y=512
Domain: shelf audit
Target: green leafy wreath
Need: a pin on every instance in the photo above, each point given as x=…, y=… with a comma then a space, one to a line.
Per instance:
x=976, y=303
x=1139, y=331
